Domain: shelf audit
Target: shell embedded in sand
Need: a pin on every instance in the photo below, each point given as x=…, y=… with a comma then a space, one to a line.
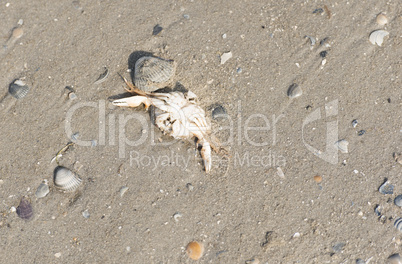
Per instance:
x=66, y=180
x=195, y=250
x=18, y=89
x=377, y=37
x=294, y=91
x=382, y=19
x=24, y=209
x=152, y=73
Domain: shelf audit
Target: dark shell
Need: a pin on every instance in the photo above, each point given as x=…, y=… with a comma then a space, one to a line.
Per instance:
x=24, y=210
x=152, y=73
x=18, y=89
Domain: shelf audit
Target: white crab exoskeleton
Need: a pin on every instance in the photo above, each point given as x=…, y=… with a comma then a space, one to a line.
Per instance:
x=177, y=115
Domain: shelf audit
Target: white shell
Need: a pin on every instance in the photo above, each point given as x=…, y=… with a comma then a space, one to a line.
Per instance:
x=66, y=180
x=226, y=56
x=342, y=145
x=377, y=37
x=152, y=73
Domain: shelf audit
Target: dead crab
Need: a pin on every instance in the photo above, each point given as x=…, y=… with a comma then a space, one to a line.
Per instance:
x=177, y=115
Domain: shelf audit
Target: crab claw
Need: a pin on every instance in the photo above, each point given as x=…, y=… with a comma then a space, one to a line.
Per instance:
x=206, y=155
x=133, y=101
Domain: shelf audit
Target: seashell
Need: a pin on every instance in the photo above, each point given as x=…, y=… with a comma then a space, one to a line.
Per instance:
x=397, y=157
x=386, y=188
x=294, y=91
x=195, y=250
x=123, y=190
x=360, y=261
x=102, y=77
x=24, y=209
x=382, y=19
x=354, y=123
x=219, y=112
x=18, y=89
x=377, y=37
x=152, y=73
x=65, y=179
x=398, y=224
x=318, y=179
x=42, y=190
x=157, y=29
x=398, y=200
x=342, y=145
x=394, y=259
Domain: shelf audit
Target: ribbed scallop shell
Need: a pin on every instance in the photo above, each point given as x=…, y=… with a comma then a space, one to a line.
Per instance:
x=66, y=180
x=152, y=73
x=398, y=224
x=18, y=89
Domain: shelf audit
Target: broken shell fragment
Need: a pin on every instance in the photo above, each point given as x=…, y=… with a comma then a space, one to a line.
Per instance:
x=386, y=188
x=24, y=209
x=42, y=190
x=294, y=91
x=342, y=145
x=382, y=19
x=226, y=56
x=152, y=73
x=66, y=180
x=18, y=89
x=398, y=224
x=195, y=250
x=377, y=37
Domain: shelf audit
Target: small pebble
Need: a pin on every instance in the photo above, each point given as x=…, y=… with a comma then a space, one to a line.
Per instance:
x=323, y=54
x=157, y=29
x=186, y=16
x=239, y=70
x=361, y=132
x=224, y=36
x=226, y=56
x=338, y=247
x=72, y=96
x=57, y=255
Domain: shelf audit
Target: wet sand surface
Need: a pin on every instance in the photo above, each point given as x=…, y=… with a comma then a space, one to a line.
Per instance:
x=262, y=203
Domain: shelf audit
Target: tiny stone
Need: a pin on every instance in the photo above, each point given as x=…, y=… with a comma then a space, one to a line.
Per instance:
x=186, y=16
x=318, y=179
x=338, y=247
x=157, y=29
x=224, y=36
x=239, y=70
x=57, y=255
x=361, y=132
x=72, y=96
x=323, y=54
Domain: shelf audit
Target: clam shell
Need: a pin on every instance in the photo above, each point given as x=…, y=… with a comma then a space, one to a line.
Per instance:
x=398, y=224
x=294, y=91
x=42, y=190
x=24, y=209
x=382, y=19
x=377, y=37
x=66, y=180
x=398, y=200
x=18, y=89
x=152, y=73
x=342, y=145
x=195, y=250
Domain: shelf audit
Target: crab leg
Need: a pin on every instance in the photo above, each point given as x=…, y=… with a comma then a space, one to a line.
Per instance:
x=206, y=154
x=133, y=101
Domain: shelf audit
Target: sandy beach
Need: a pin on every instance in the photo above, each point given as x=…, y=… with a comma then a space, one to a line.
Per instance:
x=300, y=182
